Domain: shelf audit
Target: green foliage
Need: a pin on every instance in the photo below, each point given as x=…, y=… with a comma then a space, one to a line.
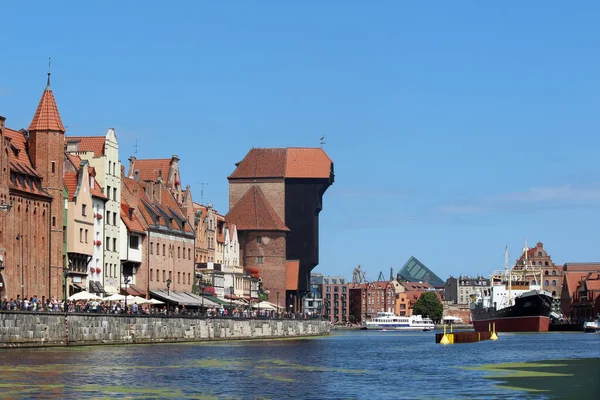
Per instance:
x=429, y=305
x=263, y=296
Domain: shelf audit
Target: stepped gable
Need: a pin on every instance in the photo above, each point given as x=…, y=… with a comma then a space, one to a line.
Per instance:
x=46, y=117
x=94, y=144
x=294, y=162
x=253, y=212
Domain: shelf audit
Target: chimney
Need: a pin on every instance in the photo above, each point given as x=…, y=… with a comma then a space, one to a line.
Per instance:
x=156, y=195
x=131, y=166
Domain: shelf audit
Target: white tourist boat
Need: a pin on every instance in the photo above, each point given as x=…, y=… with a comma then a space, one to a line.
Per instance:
x=389, y=321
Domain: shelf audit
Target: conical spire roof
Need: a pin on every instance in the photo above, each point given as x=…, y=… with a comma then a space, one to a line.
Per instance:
x=46, y=116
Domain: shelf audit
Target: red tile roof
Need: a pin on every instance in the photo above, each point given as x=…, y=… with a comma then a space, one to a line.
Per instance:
x=23, y=176
x=89, y=143
x=307, y=163
x=75, y=160
x=416, y=286
x=133, y=224
x=46, y=116
x=71, y=183
x=593, y=284
x=291, y=275
x=571, y=281
x=284, y=163
x=253, y=212
x=97, y=190
x=149, y=169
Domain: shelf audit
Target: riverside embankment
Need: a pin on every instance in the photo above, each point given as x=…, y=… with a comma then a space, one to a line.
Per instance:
x=30, y=329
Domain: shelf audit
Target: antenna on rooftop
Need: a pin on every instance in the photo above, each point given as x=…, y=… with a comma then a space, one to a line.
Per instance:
x=202, y=191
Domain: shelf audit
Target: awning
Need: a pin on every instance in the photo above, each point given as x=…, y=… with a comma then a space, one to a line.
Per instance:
x=135, y=290
x=217, y=300
x=78, y=286
x=184, y=298
x=96, y=287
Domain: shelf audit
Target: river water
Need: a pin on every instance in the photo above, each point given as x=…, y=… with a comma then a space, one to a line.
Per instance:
x=346, y=364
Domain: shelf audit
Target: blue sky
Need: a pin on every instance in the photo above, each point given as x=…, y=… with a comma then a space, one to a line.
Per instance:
x=456, y=128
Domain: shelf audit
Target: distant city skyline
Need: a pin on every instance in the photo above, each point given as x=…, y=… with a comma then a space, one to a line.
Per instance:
x=454, y=130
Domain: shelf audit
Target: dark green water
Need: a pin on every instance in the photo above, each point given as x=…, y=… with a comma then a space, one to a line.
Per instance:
x=347, y=364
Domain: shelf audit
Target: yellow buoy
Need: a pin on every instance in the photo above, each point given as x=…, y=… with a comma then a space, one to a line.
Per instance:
x=444, y=339
x=494, y=336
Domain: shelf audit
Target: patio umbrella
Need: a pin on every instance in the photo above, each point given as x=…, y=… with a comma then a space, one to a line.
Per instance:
x=115, y=297
x=154, y=301
x=84, y=296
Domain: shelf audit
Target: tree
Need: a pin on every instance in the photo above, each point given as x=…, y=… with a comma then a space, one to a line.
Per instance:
x=429, y=305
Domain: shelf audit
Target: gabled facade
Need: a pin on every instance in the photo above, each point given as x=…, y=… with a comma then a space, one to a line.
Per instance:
x=586, y=300
x=538, y=257
x=164, y=170
x=276, y=195
x=132, y=244
x=102, y=152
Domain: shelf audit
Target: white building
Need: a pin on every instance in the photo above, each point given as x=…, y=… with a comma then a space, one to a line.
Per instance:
x=96, y=264
x=102, y=152
x=130, y=246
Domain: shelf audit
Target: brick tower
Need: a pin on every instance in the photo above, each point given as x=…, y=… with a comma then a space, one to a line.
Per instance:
x=46, y=149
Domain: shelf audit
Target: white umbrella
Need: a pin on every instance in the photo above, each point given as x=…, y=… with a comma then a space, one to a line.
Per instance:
x=265, y=305
x=84, y=296
x=154, y=301
x=138, y=300
x=115, y=297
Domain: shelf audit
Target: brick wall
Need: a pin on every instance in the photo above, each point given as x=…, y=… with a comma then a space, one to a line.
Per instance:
x=273, y=267
x=274, y=191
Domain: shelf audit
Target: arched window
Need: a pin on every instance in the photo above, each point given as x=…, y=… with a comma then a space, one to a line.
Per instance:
x=546, y=283
x=546, y=273
x=533, y=282
x=539, y=253
x=540, y=263
x=553, y=272
x=546, y=263
x=553, y=283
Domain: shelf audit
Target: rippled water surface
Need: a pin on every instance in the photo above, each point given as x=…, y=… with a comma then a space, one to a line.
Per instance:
x=347, y=364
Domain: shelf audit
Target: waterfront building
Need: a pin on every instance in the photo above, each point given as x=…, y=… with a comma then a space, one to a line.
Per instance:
x=573, y=274
x=85, y=228
x=586, y=299
x=459, y=290
x=32, y=204
x=205, y=226
x=415, y=271
x=133, y=241
x=367, y=299
x=336, y=299
x=102, y=153
x=552, y=277
x=163, y=170
x=275, y=197
x=313, y=301
x=169, y=265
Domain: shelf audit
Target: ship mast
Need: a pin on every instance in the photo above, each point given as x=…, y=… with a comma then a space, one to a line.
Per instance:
x=509, y=275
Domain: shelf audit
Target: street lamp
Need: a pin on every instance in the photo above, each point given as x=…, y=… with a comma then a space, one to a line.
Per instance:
x=278, y=305
x=126, y=281
x=230, y=301
x=201, y=286
x=168, y=294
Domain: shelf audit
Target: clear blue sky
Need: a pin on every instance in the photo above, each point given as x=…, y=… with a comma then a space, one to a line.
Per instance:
x=455, y=127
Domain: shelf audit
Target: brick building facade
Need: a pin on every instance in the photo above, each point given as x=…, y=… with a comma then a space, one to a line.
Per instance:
x=276, y=195
x=31, y=200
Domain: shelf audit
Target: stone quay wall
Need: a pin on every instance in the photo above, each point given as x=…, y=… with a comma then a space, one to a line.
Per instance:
x=30, y=329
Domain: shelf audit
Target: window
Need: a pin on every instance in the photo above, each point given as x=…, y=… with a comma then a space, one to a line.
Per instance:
x=84, y=210
x=170, y=276
x=108, y=193
x=189, y=277
x=260, y=260
x=336, y=289
x=105, y=269
x=115, y=218
x=539, y=253
x=115, y=270
x=53, y=221
x=151, y=250
x=164, y=251
x=109, y=166
x=114, y=244
x=178, y=252
x=259, y=239
x=157, y=249
x=546, y=263
x=107, y=217
x=328, y=289
x=134, y=242
x=107, y=243
x=553, y=273
x=189, y=254
x=164, y=275
x=553, y=283
x=53, y=167
x=151, y=274
x=115, y=194
x=80, y=235
x=86, y=235
x=179, y=277
x=546, y=283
